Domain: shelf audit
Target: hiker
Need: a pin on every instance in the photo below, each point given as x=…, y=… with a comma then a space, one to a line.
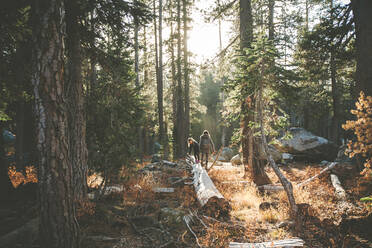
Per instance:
x=194, y=146
x=206, y=146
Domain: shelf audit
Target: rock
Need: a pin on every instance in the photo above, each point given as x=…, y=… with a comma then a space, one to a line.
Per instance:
x=287, y=157
x=236, y=160
x=155, y=158
x=227, y=153
x=305, y=145
x=324, y=163
x=267, y=205
x=275, y=153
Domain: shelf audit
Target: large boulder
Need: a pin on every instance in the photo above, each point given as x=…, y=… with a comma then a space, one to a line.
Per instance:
x=307, y=146
x=227, y=153
x=236, y=160
x=275, y=153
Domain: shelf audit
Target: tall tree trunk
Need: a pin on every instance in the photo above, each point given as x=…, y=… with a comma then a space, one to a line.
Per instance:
x=180, y=103
x=223, y=128
x=163, y=136
x=137, y=82
x=174, y=85
x=20, y=121
x=271, y=19
x=363, y=28
x=75, y=100
x=306, y=15
x=6, y=187
x=252, y=166
x=159, y=62
x=186, y=70
x=335, y=95
x=58, y=227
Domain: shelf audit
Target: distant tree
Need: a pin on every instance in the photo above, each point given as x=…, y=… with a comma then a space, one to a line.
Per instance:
x=58, y=227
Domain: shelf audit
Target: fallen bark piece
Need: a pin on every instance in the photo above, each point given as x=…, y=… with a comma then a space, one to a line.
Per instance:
x=339, y=191
x=296, y=242
x=270, y=187
x=211, y=200
x=163, y=190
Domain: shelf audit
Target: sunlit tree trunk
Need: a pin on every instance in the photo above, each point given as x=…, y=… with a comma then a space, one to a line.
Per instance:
x=252, y=166
x=174, y=83
x=159, y=70
x=137, y=81
x=181, y=147
x=75, y=100
x=186, y=70
x=58, y=227
x=362, y=10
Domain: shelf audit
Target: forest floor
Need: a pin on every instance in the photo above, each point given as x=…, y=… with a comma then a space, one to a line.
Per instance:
x=140, y=217
x=136, y=216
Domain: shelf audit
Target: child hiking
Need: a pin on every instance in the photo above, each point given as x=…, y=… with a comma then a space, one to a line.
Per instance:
x=206, y=146
x=194, y=147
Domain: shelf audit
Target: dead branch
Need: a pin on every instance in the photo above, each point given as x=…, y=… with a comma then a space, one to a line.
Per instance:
x=296, y=242
x=215, y=160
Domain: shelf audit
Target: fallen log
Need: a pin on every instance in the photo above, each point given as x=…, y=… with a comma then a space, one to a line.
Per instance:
x=339, y=190
x=271, y=187
x=329, y=167
x=163, y=190
x=296, y=242
x=211, y=200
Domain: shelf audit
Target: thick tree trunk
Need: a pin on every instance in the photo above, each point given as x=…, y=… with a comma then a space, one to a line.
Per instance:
x=363, y=28
x=271, y=19
x=75, y=100
x=160, y=85
x=336, y=102
x=58, y=227
x=181, y=142
x=186, y=71
x=252, y=166
x=137, y=81
x=174, y=88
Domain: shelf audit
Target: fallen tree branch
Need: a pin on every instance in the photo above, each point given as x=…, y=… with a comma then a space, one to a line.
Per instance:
x=187, y=219
x=339, y=190
x=215, y=160
x=296, y=242
x=271, y=187
x=329, y=167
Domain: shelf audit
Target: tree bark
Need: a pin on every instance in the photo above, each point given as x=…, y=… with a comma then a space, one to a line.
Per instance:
x=271, y=19
x=137, y=81
x=181, y=142
x=174, y=85
x=363, y=29
x=160, y=74
x=252, y=166
x=186, y=71
x=75, y=100
x=58, y=227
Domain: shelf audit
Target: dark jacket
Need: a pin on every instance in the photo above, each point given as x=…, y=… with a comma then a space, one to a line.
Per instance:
x=206, y=144
x=194, y=147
